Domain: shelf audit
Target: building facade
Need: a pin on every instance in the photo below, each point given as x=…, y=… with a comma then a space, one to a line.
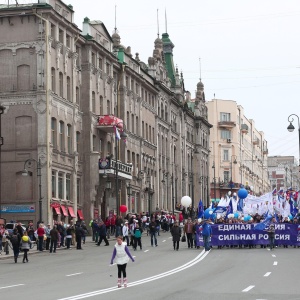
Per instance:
x=57, y=84
x=238, y=150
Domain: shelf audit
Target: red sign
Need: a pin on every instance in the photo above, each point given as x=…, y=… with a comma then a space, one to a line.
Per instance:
x=110, y=120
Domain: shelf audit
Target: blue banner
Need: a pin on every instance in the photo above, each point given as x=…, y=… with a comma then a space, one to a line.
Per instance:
x=17, y=208
x=245, y=234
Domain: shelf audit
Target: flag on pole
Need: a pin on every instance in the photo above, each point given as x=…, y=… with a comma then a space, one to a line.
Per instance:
x=118, y=137
x=200, y=209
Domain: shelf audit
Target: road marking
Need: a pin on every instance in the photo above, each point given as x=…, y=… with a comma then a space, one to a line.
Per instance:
x=196, y=260
x=163, y=241
x=248, y=288
x=10, y=286
x=74, y=274
x=275, y=263
x=146, y=250
x=267, y=274
x=273, y=255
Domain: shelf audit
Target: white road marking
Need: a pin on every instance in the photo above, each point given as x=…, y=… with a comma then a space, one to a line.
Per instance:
x=74, y=274
x=273, y=255
x=163, y=241
x=196, y=260
x=146, y=250
x=275, y=263
x=248, y=288
x=267, y=274
x=10, y=286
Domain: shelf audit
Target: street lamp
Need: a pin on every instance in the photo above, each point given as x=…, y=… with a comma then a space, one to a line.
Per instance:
x=149, y=188
x=291, y=128
x=2, y=108
x=231, y=162
x=214, y=167
x=39, y=175
x=129, y=192
x=118, y=136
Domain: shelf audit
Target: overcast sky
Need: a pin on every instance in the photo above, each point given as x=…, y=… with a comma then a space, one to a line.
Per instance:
x=249, y=51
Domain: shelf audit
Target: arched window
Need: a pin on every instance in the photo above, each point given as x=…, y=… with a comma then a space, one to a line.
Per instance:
x=53, y=86
x=54, y=132
x=69, y=138
x=61, y=84
x=62, y=136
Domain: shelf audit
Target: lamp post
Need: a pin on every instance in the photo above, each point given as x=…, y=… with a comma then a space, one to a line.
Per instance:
x=214, y=167
x=291, y=128
x=39, y=175
x=149, y=188
x=2, y=108
x=231, y=162
x=129, y=192
x=118, y=136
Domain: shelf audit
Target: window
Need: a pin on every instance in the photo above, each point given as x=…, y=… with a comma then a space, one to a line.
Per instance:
x=137, y=125
x=107, y=68
x=60, y=185
x=143, y=128
x=54, y=184
x=224, y=117
x=108, y=107
x=54, y=132
x=77, y=141
x=226, y=176
x=53, y=80
x=146, y=131
x=132, y=123
x=100, y=63
x=68, y=41
x=61, y=36
x=68, y=186
x=94, y=143
x=101, y=105
x=225, y=134
x=93, y=59
x=93, y=102
x=52, y=31
x=128, y=120
x=226, y=155
x=61, y=84
x=68, y=88
x=69, y=138
x=77, y=95
x=62, y=136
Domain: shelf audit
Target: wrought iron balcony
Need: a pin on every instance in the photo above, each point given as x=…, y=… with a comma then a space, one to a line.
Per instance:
x=124, y=170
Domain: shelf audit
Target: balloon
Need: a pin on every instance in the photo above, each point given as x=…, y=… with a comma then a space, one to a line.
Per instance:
x=230, y=216
x=208, y=213
x=247, y=218
x=242, y=193
x=236, y=215
x=186, y=201
x=251, y=187
x=123, y=208
x=290, y=217
x=229, y=193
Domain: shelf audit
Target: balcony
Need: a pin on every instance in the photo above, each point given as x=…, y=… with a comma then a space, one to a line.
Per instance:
x=226, y=124
x=255, y=141
x=124, y=170
x=109, y=122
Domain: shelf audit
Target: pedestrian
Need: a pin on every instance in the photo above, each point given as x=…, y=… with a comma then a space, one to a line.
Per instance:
x=125, y=230
x=40, y=234
x=121, y=254
x=48, y=238
x=83, y=226
x=176, y=235
x=30, y=230
x=206, y=233
x=152, y=230
x=102, y=233
x=119, y=222
x=54, y=235
x=2, y=231
x=271, y=234
x=25, y=245
x=78, y=234
x=137, y=237
x=188, y=231
x=15, y=240
x=72, y=227
x=5, y=238
x=69, y=237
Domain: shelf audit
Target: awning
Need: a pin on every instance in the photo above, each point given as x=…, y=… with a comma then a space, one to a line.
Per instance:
x=80, y=214
x=57, y=209
x=64, y=210
x=71, y=212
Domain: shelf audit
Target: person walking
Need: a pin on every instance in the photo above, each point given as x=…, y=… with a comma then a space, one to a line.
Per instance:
x=137, y=237
x=206, y=233
x=69, y=236
x=54, y=235
x=152, y=230
x=15, y=240
x=271, y=234
x=125, y=231
x=40, y=234
x=102, y=234
x=78, y=234
x=122, y=254
x=188, y=230
x=25, y=245
x=48, y=238
x=176, y=235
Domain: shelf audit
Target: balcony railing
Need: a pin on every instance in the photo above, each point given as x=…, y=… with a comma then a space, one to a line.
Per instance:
x=124, y=170
x=226, y=124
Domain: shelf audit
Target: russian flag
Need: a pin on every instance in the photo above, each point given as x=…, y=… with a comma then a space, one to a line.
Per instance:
x=118, y=137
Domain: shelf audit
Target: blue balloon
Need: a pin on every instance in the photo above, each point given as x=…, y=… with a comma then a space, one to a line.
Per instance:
x=208, y=213
x=242, y=193
x=290, y=217
x=236, y=215
x=247, y=218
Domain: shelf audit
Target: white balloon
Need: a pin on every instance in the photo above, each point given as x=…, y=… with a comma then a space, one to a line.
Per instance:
x=186, y=201
x=229, y=193
x=251, y=187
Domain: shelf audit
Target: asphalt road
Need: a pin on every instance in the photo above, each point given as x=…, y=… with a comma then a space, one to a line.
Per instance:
x=157, y=273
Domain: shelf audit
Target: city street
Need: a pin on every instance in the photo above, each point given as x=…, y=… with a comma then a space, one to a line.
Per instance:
x=157, y=273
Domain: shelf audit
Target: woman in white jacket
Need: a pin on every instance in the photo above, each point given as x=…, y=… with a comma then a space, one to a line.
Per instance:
x=121, y=254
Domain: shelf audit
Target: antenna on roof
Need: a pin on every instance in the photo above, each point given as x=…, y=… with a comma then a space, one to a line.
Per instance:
x=200, y=67
x=157, y=24
x=115, y=18
x=166, y=21
x=17, y=4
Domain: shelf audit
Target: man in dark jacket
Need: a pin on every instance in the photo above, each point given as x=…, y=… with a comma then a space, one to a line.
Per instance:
x=102, y=233
x=54, y=239
x=206, y=233
x=79, y=232
x=15, y=240
x=153, y=231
